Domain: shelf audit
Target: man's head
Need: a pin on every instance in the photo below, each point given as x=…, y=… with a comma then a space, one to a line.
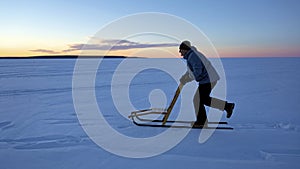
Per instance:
x=184, y=47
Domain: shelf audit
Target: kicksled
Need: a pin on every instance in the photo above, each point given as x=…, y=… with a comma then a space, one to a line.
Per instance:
x=139, y=118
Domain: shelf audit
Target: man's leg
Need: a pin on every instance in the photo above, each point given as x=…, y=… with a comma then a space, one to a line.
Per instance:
x=201, y=97
x=218, y=103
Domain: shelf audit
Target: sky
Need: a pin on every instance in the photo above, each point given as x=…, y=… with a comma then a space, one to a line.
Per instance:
x=236, y=28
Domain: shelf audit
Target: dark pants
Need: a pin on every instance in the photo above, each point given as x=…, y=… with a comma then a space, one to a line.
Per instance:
x=202, y=97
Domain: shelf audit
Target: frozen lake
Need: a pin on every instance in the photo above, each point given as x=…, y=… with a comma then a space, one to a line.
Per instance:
x=40, y=128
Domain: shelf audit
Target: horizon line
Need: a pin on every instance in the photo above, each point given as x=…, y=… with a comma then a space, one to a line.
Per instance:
x=122, y=56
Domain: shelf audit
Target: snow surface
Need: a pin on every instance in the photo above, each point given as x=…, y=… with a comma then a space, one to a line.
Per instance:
x=40, y=129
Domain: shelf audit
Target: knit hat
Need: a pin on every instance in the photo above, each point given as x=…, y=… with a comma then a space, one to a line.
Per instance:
x=185, y=45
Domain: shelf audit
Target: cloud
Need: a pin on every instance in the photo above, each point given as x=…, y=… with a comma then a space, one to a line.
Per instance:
x=45, y=51
x=113, y=44
x=107, y=44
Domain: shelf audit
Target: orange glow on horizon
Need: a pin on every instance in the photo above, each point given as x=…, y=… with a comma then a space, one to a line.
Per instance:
x=161, y=53
x=258, y=52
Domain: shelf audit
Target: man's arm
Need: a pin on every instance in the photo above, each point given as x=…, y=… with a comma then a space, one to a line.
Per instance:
x=197, y=66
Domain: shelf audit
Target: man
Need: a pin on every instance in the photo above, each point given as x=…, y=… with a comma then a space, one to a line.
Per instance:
x=201, y=70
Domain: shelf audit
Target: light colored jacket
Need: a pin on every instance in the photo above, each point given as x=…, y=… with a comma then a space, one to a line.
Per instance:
x=200, y=68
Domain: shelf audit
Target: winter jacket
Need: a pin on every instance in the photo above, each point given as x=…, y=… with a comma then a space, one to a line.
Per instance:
x=199, y=67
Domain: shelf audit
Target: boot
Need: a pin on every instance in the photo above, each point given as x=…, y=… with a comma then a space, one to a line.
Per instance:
x=198, y=124
x=229, y=109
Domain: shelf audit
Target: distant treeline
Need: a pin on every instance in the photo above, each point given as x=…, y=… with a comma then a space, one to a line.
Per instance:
x=62, y=57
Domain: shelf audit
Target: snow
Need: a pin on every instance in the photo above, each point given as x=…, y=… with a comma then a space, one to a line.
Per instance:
x=40, y=128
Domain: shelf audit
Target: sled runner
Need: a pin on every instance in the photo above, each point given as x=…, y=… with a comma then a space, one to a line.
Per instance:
x=163, y=114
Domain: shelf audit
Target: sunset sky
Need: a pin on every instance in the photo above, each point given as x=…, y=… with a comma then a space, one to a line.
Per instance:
x=236, y=28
